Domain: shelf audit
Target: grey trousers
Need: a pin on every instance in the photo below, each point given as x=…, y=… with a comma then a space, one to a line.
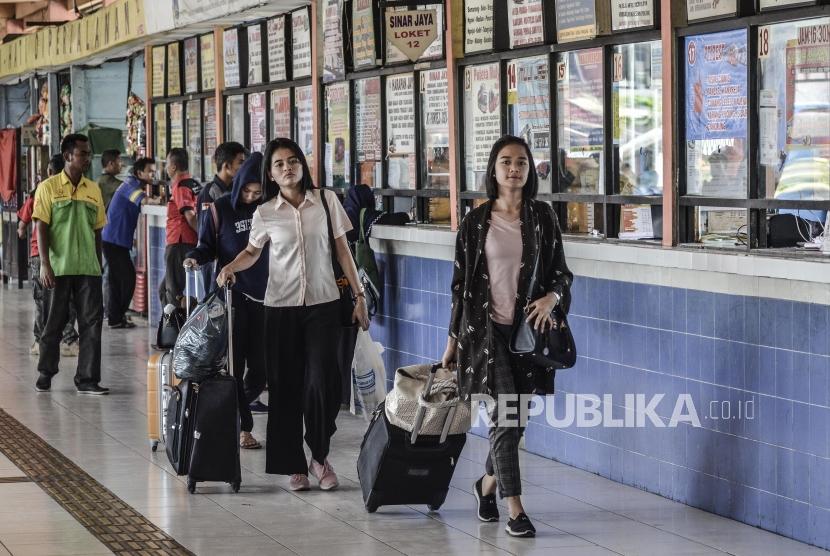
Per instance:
x=503, y=459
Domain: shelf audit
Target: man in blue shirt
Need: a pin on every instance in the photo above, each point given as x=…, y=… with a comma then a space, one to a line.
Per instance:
x=122, y=219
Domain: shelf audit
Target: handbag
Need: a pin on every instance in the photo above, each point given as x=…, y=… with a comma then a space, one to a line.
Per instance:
x=551, y=349
x=346, y=301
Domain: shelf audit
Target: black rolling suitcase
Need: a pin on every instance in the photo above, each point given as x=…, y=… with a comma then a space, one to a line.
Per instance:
x=203, y=425
x=396, y=467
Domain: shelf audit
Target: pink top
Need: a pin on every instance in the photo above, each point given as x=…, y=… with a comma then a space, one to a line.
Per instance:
x=503, y=249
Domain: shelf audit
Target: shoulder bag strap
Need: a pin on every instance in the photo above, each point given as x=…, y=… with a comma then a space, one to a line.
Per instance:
x=334, y=264
x=362, y=227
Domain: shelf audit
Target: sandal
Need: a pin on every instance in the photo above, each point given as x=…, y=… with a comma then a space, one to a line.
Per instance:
x=248, y=442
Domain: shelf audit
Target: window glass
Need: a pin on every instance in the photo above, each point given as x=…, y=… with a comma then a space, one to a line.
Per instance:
x=338, y=147
x=211, y=139
x=435, y=142
x=304, y=122
x=280, y=113
x=176, y=125
x=638, y=118
x=580, y=117
x=160, y=123
x=400, y=131
x=528, y=110
x=794, y=113
x=259, y=121
x=367, y=131
x=235, y=118
x=584, y=218
x=716, y=114
x=721, y=227
x=193, y=110
x=482, y=120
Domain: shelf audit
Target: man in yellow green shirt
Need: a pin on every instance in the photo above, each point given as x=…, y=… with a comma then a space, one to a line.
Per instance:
x=70, y=214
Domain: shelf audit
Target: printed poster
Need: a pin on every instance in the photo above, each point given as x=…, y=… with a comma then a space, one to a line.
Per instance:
x=208, y=62
x=159, y=68
x=276, y=49
x=160, y=122
x=255, y=55
x=305, y=122
x=367, y=120
x=230, y=41
x=525, y=22
x=281, y=113
x=194, y=136
x=334, y=63
x=235, y=118
x=363, y=34
x=576, y=20
x=210, y=136
x=400, y=130
x=631, y=14
x=716, y=80
x=174, y=71
x=528, y=100
x=482, y=120
x=478, y=26
x=176, y=125
x=259, y=122
x=191, y=65
x=707, y=9
x=435, y=138
x=301, y=44
x=337, y=135
x=580, y=100
x=808, y=63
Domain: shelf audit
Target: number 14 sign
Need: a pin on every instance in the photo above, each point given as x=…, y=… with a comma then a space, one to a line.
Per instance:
x=412, y=31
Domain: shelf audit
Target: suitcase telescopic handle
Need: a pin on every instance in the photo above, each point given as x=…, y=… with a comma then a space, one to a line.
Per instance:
x=187, y=271
x=421, y=412
x=229, y=309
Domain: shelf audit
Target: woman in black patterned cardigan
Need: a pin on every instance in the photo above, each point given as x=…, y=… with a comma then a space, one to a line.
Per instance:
x=495, y=252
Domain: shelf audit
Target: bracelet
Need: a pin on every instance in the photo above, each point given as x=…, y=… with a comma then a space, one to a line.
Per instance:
x=360, y=294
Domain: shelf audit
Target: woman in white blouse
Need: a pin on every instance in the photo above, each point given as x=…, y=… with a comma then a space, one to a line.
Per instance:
x=302, y=320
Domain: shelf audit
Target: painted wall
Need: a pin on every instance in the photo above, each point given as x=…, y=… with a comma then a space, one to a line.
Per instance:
x=769, y=469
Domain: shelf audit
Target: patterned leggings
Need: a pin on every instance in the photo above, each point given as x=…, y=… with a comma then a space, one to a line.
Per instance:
x=503, y=459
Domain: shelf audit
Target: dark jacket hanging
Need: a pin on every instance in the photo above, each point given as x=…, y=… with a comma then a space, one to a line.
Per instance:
x=470, y=323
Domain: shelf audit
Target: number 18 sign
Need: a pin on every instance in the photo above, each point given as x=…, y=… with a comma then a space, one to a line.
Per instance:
x=411, y=31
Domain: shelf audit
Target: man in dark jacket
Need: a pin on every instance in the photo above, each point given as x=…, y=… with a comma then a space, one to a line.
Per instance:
x=228, y=158
x=222, y=235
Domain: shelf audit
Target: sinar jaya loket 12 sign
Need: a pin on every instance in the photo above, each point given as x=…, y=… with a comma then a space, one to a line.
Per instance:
x=412, y=31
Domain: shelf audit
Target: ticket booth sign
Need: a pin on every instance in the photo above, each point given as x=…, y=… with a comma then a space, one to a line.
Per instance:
x=412, y=31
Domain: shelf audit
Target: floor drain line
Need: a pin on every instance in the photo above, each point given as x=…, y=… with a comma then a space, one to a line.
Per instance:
x=112, y=521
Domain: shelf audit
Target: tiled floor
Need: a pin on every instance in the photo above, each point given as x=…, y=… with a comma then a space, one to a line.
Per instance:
x=576, y=513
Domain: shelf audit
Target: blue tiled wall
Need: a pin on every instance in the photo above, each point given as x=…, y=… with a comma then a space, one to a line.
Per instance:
x=771, y=470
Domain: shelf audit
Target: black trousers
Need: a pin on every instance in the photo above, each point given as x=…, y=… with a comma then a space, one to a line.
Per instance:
x=304, y=384
x=172, y=289
x=84, y=292
x=120, y=281
x=248, y=351
x=70, y=335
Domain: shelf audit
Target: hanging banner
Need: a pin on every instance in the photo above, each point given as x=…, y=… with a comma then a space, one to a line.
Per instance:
x=482, y=119
x=338, y=149
x=412, y=31
x=305, y=122
x=211, y=140
x=230, y=42
x=206, y=44
x=281, y=113
x=53, y=46
x=334, y=62
x=301, y=44
x=174, y=71
x=159, y=70
x=191, y=65
x=259, y=122
x=576, y=20
x=707, y=9
x=631, y=14
x=478, y=26
x=276, y=49
x=363, y=34
x=716, y=98
x=528, y=102
x=255, y=55
x=525, y=22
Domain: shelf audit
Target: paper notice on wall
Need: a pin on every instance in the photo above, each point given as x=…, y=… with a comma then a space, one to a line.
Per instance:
x=636, y=222
x=631, y=14
x=705, y=9
x=334, y=64
x=301, y=43
x=276, y=49
x=481, y=85
x=400, y=114
x=281, y=113
x=230, y=41
x=208, y=62
x=337, y=135
x=258, y=121
x=255, y=54
x=526, y=22
x=363, y=34
x=478, y=26
x=367, y=119
x=191, y=65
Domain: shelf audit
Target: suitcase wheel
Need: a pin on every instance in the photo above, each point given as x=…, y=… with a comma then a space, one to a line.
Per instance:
x=235, y=485
x=154, y=444
x=434, y=507
x=191, y=486
x=371, y=504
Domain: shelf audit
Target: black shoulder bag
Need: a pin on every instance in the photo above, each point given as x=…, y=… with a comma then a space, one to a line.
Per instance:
x=346, y=301
x=552, y=349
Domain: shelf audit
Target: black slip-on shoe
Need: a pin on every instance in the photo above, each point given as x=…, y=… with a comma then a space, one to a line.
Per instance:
x=43, y=384
x=487, y=510
x=520, y=527
x=93, y=390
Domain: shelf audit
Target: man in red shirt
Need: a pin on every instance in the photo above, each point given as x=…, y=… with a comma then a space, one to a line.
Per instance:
x=181, y=226
x=69, y=342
